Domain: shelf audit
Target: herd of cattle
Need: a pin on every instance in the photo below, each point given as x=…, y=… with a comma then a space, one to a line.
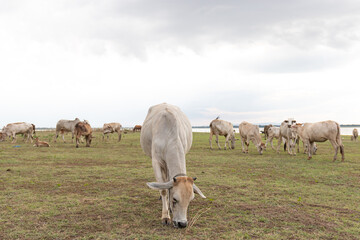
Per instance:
x=166, y=137
x=76, y=127
x=289, y=132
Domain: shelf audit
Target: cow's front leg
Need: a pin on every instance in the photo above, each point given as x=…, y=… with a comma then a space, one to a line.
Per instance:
x=72, y=137
x=210, y=140
x=227, y=141
x=14, y=138
x=165, y=215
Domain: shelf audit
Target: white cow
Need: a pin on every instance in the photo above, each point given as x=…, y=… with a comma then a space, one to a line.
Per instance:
x=111, y=128
x=166, y=136
x=272, y=132
x=289, y=136
x=12, y=129
x=250, y=132
x=320, y=132
x=66, y=126
x=222, y=128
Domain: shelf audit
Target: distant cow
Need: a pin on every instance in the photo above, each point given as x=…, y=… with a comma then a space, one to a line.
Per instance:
x=137, y=128
x=166, y=137
x=355, y=135
x=83, y=129
x=320, y=132
x=12, y=129
x=222, y=128
x=249, y=132
x=66, y=126
x=40, y=143
x=266, y=129
x=111, y=128
x=289, y=136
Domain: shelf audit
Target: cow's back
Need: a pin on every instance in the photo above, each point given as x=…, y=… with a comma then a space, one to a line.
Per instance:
x=67, y=125
x=19, y=127
x=321, y=131
x=248, y=129
x=165, y=127
x=221, y=127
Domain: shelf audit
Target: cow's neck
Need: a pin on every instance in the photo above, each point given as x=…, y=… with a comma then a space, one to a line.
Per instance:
x=177, y=170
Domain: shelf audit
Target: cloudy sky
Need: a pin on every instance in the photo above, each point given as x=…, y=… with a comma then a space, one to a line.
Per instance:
x=245, y=60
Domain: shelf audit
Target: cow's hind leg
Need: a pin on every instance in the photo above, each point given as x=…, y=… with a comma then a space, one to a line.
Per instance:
x=210, y=139
x=336, y=148
x=242, y=144
x=217, y=141
x=119, y=139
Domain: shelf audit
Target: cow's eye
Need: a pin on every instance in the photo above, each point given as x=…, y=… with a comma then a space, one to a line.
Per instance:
x=174, y=201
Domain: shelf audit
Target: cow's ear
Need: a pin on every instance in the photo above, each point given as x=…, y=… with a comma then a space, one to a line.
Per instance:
x=160, y=186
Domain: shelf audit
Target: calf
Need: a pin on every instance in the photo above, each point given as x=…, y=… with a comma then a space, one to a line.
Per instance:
x=40, y=143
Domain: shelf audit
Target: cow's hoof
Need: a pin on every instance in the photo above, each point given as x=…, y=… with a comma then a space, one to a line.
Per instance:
x=77, y=146
x=309, y=158
x=166, y=221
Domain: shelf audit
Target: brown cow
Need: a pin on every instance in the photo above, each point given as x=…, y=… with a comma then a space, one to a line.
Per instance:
x=40, y=143
x=266, y=130
x=83, y=129
x=137, y=128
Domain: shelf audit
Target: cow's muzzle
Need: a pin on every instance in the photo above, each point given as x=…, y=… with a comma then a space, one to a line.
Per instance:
x=180, y=224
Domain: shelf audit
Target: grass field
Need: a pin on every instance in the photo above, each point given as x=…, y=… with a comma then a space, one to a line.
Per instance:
x=100, y=192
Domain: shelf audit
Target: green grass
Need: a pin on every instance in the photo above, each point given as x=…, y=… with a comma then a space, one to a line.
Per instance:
x=100, y=192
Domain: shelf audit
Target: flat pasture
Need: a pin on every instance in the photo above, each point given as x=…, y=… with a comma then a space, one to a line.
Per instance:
x=100, y=192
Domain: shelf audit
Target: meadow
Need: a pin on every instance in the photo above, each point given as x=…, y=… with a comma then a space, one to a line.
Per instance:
x=100, y=192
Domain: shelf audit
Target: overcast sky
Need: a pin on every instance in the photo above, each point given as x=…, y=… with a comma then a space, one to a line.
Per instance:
x=109, y=61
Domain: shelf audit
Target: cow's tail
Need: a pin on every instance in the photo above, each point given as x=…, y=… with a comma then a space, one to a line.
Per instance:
x=339, y=141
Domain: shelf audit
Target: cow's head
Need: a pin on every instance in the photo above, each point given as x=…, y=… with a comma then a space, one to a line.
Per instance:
x=261, y=147
x=181, y=191
x=290, y=122
x=107, y=128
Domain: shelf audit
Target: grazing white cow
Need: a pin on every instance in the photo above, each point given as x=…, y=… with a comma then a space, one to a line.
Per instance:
x=166, y=136
x=355, y=135
x=66, y=126
x=250, y=132
x=12, y=129
x=222, y=128
x=272, y=132
x=111, y=128
x=320, y=132
x=289, y=136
